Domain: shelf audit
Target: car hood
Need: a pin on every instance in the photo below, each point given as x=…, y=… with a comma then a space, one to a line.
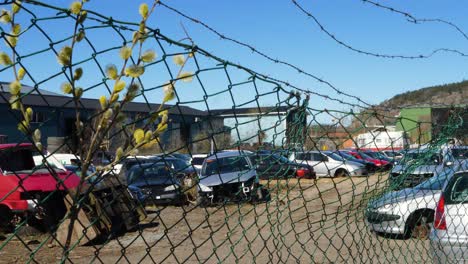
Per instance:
x=155, y=181
x=226, y=178
x=422, y=169
x=404, y=195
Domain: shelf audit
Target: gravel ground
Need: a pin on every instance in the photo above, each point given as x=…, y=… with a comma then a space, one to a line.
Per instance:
x=309, y=221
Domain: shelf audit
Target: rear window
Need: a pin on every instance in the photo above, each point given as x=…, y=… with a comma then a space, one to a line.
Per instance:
x=457, y=190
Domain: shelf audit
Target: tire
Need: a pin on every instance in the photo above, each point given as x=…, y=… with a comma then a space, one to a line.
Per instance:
x=341, y=173
x=261, y=195
x=53, y=211
x=6, y=217
x=419, y=225
x=202, y=201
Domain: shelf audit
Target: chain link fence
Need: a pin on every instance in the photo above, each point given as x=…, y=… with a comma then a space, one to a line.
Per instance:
x=115, y=150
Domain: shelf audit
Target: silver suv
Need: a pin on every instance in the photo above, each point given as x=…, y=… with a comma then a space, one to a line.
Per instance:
x=449, y=239
x=329, y=164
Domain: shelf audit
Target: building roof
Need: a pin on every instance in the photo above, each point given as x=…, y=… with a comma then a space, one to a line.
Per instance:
x=248, y=111
x=40, y=97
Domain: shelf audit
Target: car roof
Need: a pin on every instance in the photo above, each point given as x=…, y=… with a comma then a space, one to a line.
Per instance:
x=230, y=154
x=14, y=145
x=146, y=165
x=309, y=151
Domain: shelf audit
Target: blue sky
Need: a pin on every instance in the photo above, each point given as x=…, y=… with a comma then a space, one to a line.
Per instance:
x=280, y=30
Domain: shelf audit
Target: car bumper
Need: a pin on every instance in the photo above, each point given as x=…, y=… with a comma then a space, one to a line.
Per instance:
x=446, y=250
x=385, y=223
x=173, y=197
x=21, y=206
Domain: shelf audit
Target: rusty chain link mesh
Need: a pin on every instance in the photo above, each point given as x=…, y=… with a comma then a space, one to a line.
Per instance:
x=308, y=209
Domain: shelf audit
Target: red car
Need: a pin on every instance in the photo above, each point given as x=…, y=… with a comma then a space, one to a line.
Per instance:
x=26, y=189
x=381, y=164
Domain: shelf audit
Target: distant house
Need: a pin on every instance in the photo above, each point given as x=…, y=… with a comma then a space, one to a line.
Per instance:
x=382, y=138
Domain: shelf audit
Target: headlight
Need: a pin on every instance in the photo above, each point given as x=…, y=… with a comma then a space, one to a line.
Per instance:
x=172, y=187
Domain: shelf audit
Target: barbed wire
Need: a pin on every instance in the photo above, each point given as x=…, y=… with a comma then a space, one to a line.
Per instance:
x=370, y=53
x=261, y=53
x=411, y=18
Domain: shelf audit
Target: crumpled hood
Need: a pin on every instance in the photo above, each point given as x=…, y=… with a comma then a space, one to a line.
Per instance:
x=404, y=195
x=226, y=178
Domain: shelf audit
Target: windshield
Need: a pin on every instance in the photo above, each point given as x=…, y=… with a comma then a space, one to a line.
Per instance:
x=180, y=164
x=346, y=156
x=268, y=158
x=334, y=156
x=365, y=156
x=147, y=173
x=434, y=183
x=225, y=165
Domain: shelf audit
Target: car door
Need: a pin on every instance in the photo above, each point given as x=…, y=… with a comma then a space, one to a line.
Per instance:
x=318, y=162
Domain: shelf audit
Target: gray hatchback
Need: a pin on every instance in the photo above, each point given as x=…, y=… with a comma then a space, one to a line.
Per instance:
x=449, y=238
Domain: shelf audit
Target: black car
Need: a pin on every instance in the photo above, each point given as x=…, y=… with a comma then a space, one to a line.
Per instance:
x=177, y=165
x=274, y=166
x=156, y=183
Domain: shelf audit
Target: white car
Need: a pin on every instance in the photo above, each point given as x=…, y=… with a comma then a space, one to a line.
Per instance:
x=328, y=164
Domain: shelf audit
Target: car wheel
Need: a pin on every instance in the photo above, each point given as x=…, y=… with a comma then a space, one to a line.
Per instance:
x=341, y=173
x=419, y=225
x=6, y=217
x=202, y=201
x=261, y=195
x=422, y=229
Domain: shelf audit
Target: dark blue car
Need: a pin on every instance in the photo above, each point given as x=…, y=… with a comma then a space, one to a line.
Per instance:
x=155, y=183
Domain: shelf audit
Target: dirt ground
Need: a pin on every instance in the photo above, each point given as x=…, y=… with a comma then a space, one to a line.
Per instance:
x=307, y=221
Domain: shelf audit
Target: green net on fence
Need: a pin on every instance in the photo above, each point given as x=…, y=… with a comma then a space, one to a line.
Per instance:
x=123, y=145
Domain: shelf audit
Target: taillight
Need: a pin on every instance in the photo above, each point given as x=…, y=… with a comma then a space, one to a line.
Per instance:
x=301, y=172
x=439, y=219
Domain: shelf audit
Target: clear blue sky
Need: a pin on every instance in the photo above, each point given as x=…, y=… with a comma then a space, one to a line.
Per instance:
x=279, y=29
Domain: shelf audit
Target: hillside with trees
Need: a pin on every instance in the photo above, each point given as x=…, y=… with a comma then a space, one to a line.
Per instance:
x=446, y=94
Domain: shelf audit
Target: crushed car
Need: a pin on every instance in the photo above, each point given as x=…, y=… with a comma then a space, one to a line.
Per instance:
x=228, y=177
